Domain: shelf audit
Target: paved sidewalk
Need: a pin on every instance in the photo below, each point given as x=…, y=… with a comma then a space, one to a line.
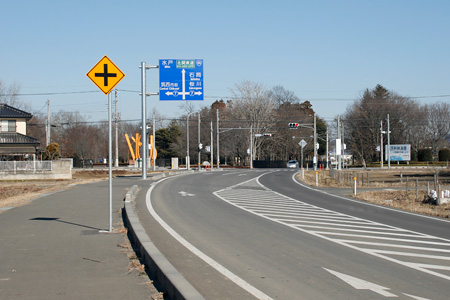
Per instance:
x=52, y=248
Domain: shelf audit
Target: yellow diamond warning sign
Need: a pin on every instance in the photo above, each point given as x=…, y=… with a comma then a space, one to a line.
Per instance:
x=105, y=74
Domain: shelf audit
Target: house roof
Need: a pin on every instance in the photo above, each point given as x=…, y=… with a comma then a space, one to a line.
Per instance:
x=10, y=112
x=8, y=138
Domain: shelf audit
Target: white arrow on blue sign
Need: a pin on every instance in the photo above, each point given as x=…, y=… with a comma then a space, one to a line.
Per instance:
x=181, y=79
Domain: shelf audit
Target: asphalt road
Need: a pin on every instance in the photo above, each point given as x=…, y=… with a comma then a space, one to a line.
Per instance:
x=259, y=234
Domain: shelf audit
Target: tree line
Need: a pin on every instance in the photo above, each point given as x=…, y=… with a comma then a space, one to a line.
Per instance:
x=258, y=116
x=425, y=127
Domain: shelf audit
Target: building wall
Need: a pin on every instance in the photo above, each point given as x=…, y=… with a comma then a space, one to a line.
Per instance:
x=21, y=126
x=61, y=169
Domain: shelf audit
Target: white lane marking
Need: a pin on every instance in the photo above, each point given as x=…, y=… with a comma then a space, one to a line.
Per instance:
x=361, y=284
x=366, y=203
x=184, y=194
x=340, y=228
x=416, y=297
x=224, y=271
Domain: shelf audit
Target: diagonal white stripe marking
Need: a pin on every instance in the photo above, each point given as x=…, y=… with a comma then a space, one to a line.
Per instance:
x=325, y=224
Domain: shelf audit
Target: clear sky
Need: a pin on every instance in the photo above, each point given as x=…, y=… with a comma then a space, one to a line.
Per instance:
x=325, y=51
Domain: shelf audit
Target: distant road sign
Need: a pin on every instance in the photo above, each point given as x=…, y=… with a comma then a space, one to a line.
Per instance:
x=105, y=74
x=302, y=143
x=181, y=79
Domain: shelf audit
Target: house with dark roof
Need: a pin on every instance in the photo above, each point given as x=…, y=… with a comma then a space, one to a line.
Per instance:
x=14, y=142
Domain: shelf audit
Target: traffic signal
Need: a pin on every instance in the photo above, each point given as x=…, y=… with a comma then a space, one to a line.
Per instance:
x=293, y=125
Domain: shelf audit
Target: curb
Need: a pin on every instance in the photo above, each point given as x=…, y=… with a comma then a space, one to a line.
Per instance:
x=174, y=285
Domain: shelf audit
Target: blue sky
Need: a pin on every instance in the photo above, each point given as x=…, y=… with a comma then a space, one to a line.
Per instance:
x=325, y=51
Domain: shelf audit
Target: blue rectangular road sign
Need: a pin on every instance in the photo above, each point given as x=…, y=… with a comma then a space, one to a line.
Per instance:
x=181, y=79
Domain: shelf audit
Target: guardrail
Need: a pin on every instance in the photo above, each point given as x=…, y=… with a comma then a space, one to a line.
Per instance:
x=31, y=166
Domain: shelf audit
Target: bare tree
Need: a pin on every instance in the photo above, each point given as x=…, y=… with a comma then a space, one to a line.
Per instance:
x=280, y=95
x=438, y=125
x=253, y=107
x=11, y=96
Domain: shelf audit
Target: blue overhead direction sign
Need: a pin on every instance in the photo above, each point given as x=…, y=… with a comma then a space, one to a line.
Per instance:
x=181, y=79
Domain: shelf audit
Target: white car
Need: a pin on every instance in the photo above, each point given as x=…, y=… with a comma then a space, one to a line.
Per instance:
x=292, y=164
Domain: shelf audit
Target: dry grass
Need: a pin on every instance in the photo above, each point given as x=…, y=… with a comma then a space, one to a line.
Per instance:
x=388, y=179
x=135, y=265
x=18, y=193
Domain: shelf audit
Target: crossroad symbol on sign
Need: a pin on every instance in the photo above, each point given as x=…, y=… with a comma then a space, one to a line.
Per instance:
x=106, y=75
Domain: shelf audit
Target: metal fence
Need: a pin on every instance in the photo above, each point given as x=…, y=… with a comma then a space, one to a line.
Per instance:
x=35, y=166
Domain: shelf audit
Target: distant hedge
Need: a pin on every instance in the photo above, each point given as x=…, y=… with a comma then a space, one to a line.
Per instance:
x=425, y=155
x=444, y=154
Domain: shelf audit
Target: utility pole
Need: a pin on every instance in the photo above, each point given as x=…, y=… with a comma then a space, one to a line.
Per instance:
x=343, y=144
x=338, y=143
x=326, y=166
x=212, y=146
x=144, y=120
x=251, y=147
x=217, y=121
x=154, y=142
x=199, y=144
x=47, y=129
x=389, y=143
x=381, y=144
x=116, y=163
x=188, y=159
x=315, y=144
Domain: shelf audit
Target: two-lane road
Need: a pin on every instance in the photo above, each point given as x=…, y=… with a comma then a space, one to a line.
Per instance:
x=259, y=234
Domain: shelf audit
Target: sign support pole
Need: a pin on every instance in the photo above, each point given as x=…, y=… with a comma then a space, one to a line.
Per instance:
x=144, y=122
x=106, y=75
x=144, y=94
x=110, y=160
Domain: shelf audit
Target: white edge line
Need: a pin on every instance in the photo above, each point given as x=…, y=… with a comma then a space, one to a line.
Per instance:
x=236, y=279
